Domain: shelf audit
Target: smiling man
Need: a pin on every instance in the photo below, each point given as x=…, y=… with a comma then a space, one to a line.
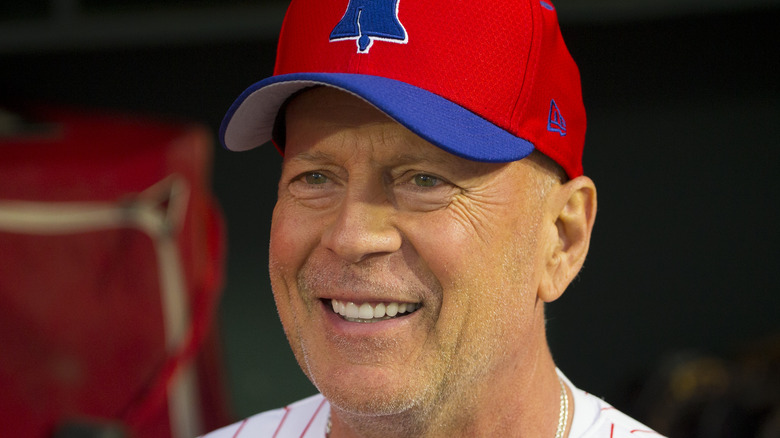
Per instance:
x=432, y=200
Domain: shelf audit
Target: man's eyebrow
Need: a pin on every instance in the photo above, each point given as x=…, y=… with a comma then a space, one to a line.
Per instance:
x=405, y=158
x=312, y=156
x=443, y=159
x=439, y=159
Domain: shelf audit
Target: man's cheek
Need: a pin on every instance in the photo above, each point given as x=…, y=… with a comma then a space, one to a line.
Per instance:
x=288, y=246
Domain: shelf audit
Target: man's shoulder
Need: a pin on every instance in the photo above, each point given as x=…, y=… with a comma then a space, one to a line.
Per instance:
x=615, y=424
x=595, y=418
x=304, y=418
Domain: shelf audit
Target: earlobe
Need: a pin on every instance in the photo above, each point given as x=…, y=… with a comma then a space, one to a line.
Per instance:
x=573, y=213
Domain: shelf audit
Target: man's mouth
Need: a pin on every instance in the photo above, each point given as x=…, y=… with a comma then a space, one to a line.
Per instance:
x=365, y=312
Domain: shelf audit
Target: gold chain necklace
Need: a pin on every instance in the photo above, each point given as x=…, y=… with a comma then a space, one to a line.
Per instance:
x=563, y=415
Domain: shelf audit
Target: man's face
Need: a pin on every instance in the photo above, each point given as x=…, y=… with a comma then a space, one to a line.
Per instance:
x=370, y=219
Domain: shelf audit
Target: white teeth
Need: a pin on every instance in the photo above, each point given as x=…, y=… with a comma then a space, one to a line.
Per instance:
x=392, y=309
x=379, y=310
x=352, y=311
x=367, y=313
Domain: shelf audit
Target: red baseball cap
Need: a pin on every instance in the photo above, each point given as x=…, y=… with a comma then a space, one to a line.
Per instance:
x=485, y=80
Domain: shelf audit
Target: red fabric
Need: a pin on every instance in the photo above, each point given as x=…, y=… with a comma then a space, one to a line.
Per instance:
x=81, y=321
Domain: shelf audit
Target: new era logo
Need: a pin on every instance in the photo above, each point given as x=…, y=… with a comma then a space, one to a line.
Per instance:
x=556, y=122
x=369, y=20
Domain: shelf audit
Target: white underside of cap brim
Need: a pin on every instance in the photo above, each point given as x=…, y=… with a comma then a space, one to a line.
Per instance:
x=252, y=123
x=250, y=120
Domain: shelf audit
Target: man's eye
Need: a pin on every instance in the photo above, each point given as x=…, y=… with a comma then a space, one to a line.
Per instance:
x=423, y=180
x=315, y=178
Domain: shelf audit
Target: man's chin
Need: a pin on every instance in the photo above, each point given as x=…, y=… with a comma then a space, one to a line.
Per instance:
x=362, y=401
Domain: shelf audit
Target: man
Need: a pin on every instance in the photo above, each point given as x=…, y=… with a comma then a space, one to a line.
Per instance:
x=431, y=201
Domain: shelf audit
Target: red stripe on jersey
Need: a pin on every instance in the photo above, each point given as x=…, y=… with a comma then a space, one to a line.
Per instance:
x=322, y=403
x=612, y=430
x=278, y=428
x=240, y=427
x=644, y=431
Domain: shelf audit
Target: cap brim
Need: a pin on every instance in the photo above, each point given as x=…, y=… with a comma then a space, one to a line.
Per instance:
x=249, y=121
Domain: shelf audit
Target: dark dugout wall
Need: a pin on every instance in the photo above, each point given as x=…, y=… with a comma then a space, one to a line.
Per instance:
x=684, y=122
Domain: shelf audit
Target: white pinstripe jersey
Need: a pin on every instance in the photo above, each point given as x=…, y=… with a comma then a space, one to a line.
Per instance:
x=307, y=418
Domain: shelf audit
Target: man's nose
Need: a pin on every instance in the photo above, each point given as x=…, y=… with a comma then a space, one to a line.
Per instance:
x=362, y=228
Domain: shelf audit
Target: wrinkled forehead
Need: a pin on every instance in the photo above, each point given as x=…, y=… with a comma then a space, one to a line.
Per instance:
x=328, y=125
x=318, y=103
x=321, y=111
x=326, y=118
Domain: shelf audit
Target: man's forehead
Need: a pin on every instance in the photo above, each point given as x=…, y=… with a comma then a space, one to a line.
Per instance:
x=389, y=160
x=322, y=112
x=401, y=154
x=318, y=112
x=311, y=101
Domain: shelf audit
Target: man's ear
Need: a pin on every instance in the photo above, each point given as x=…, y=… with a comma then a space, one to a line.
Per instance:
x=571, y=212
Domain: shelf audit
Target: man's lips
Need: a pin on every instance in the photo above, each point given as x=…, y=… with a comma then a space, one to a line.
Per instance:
x=371, y=312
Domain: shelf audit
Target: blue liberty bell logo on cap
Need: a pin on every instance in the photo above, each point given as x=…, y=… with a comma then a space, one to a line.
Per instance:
x=369, y=20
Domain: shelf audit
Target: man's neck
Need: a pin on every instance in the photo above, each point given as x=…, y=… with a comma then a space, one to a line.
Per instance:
x=522, y=401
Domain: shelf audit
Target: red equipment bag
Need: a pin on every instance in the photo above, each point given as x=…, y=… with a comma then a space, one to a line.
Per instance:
x=111, y=264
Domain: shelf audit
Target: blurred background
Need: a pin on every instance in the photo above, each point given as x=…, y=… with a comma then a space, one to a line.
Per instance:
x=675, y=318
